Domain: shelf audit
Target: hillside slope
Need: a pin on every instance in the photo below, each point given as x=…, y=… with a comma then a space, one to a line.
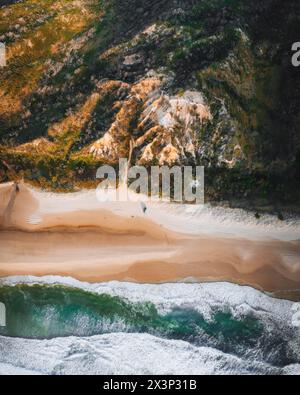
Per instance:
x=207, y=82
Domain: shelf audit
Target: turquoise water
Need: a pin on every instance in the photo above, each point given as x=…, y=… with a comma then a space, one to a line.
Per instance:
x=44, y=312
x=57, y=311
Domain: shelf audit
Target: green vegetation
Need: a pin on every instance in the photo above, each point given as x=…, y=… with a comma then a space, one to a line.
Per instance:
x=236, y=53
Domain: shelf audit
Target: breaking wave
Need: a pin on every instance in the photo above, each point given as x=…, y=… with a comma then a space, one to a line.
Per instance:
x=237, y=329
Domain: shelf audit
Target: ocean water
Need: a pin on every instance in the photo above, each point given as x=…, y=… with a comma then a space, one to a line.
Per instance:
x=60, y=325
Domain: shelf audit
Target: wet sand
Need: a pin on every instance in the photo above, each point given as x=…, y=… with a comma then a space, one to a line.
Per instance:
x=75, y=235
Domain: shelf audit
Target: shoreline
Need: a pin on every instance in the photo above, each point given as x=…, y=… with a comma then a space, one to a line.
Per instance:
x=77, y=236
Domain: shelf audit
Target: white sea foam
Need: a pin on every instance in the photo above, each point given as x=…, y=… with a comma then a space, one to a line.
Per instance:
x=125, y=353
x=121, y=354
x=11, y=370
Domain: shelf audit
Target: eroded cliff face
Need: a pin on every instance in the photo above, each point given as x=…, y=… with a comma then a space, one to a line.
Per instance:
x=161, y=129
x=166, y=82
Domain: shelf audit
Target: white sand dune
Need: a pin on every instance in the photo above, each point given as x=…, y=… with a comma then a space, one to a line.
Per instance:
x=76, y=235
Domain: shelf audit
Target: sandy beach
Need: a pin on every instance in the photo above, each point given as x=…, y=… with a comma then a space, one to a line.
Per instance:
x=76, y=235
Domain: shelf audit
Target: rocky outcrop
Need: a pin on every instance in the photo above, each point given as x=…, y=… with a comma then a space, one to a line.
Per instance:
x=161, y=128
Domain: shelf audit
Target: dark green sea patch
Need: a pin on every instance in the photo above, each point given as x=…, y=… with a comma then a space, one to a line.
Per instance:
x=44, y=312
